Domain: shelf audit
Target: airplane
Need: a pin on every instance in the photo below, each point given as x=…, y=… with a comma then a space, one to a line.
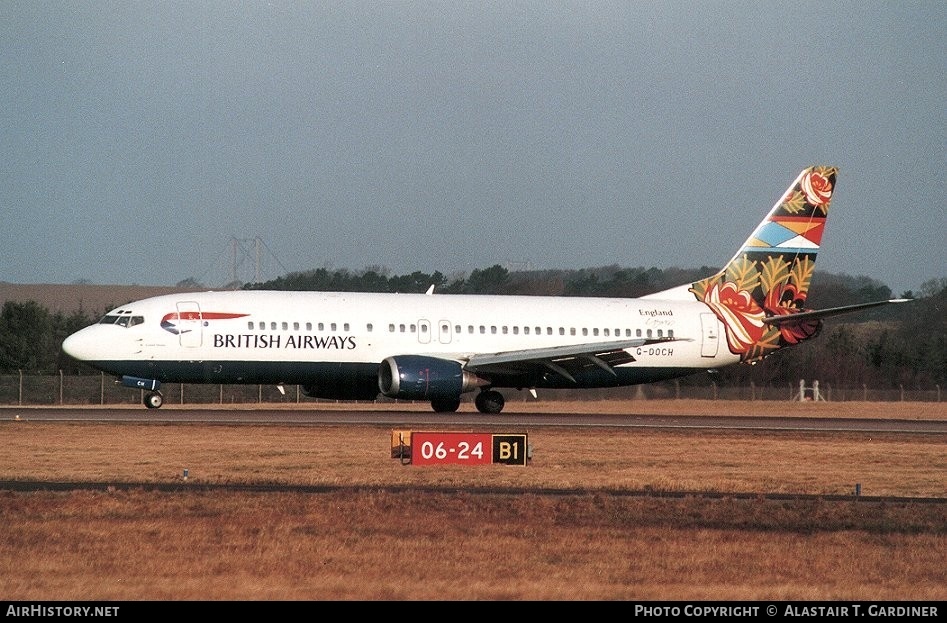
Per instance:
x=437, y=347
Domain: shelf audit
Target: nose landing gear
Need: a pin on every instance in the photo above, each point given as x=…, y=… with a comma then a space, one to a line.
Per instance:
x=153, y=400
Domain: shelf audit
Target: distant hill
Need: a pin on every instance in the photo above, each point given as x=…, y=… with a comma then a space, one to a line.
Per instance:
x=92, y=299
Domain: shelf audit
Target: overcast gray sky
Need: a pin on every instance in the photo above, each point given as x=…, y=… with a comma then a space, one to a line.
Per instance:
x=140, y=139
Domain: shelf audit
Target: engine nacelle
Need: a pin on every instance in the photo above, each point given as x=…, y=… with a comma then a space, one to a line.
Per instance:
x=416, y=377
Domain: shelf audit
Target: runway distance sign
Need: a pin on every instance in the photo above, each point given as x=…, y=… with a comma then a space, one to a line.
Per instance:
x=457, y=448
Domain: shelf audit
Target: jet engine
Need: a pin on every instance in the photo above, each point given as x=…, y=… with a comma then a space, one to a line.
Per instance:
x=417, y=377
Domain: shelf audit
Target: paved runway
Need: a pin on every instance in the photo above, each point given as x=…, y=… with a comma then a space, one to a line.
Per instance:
x=466, y=419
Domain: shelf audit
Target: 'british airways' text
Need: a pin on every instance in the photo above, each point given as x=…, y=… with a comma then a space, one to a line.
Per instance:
x=258, y=340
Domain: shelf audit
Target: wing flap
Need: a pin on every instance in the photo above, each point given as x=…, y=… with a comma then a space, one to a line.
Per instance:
x=563, y=360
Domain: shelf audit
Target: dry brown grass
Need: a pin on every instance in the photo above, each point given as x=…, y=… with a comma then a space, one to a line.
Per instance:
x=379, y=545
x=663, y=460
x=442, y=539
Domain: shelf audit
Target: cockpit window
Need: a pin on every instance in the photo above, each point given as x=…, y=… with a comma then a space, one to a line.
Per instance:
x=122, y=321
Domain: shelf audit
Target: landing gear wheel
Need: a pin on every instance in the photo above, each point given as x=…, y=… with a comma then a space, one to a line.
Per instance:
x=153, y=400
x=445, y=405
x=489, y=401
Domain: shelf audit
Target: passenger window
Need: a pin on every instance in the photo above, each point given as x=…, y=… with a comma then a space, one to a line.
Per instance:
x=637, y=332
x=368, y=327
x=585, y=331
x=272, y=326
x=401, y=328
x=333, y=325
x=483, y=329
x=261, y=326
x=391, y=328
x=345, y=327
x=250, y=325
x=649, y=332
x=525, y=330
x=572, y=331
x=308, y=326
x=295, y=326
x=670, y=332
x=493, y=329
x=285, y=326
x=322, y=327
x=660, y=332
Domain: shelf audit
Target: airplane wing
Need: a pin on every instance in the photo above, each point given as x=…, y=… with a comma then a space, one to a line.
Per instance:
x=563, y=360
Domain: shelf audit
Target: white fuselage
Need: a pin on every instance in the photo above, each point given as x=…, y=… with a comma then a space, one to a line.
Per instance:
x=277, y=326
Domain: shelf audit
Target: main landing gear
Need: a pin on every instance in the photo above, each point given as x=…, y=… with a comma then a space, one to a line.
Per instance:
x=488, y=401
x=445, y=405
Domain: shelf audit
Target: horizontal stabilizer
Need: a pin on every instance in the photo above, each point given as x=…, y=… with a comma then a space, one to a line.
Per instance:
x=816, y=314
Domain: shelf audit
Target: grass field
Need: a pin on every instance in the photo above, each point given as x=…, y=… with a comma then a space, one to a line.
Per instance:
x=443, y=536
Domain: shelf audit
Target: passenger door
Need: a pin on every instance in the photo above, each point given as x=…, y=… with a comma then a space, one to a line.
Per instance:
x=190, y=324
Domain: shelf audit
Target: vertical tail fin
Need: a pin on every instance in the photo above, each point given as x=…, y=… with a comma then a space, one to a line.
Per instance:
x=771, y=272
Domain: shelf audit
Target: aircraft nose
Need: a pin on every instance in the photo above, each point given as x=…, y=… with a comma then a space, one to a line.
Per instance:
x=81, y=345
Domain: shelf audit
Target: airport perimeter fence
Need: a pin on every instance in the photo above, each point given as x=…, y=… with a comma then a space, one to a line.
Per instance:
x=101, y=390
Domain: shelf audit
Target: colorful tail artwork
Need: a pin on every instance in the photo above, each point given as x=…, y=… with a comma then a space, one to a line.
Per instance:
x=768, y=279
